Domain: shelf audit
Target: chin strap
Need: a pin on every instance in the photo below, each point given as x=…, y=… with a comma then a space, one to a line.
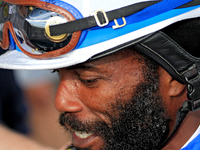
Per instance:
x=192, y=78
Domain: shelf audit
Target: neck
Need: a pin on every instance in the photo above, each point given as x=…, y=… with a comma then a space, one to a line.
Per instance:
x=185, y=131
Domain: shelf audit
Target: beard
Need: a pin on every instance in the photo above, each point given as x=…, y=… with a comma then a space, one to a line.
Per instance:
x=140, y=123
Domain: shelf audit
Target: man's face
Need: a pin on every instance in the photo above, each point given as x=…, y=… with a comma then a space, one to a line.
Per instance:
x=112, y=103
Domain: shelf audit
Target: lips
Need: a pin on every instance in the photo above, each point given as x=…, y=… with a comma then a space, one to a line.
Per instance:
x=80, y=134
x=84, y=139
x=83, y=134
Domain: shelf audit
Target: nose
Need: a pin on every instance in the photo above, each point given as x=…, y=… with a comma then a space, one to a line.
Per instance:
x=67, y=99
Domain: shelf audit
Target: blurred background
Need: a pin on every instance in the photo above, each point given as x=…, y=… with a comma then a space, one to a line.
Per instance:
x=39, y=88
x=27, y=105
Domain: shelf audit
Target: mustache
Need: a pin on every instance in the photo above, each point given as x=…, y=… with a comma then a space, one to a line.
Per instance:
x=71, y=120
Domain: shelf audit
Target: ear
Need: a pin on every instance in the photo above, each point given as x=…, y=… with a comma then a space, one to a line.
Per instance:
x=176, y=88
x=171, y=87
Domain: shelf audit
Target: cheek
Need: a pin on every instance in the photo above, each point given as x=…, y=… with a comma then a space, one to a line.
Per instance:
x=108, y=93
x=97, y=99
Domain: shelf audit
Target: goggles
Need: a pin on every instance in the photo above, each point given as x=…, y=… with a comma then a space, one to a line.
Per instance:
x=45, y=29
x=26, y=24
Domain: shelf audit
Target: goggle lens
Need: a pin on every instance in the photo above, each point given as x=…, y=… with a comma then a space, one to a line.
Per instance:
x=31, y=27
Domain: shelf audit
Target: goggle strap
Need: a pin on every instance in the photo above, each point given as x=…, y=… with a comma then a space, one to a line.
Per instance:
x=128, y=12
x=89, y=22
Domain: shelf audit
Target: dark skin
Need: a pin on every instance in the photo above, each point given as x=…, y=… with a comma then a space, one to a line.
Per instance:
x=175, y=95
x=87, y=91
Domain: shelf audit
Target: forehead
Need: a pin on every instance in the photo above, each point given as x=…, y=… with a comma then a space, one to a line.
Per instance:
x=122, y=59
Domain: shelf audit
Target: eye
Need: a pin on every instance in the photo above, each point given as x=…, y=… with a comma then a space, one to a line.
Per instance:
x=89, y=82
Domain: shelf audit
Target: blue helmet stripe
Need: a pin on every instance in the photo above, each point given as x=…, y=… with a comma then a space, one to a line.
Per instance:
x=104, y=34
x=155, y=9
x=151, y=11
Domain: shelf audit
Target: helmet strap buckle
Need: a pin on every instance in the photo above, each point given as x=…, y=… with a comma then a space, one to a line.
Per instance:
x=192, y=77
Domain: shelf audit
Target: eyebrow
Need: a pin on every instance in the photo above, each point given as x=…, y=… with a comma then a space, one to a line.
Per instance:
x=82, y=66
